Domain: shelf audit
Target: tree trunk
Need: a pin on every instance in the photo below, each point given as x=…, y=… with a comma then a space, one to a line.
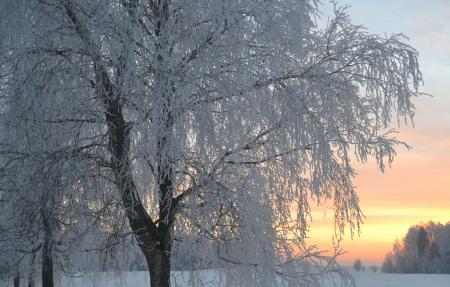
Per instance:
x=47, y=256
x=159, y=268
x=17, y=280
x=31, y=279
x=47, y=268
x=158, y=255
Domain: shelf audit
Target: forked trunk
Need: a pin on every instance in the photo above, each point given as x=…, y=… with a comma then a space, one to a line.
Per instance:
x=154, y=239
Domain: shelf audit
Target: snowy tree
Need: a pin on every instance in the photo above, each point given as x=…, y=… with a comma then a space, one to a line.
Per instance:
x=424, y=249
x=39, y=184
x=358, y=265
x=422, y=241
x=214, y=122
x=388, y=264
x=40, y=167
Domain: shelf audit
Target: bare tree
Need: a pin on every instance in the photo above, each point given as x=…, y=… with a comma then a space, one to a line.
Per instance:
x=212, y=119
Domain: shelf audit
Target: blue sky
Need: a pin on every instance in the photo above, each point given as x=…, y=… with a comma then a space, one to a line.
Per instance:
x=427, y=24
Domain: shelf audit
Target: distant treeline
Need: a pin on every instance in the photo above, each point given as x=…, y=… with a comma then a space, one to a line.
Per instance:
x=424, y=249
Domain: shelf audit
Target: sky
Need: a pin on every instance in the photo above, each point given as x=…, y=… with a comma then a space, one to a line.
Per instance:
x=417, y=186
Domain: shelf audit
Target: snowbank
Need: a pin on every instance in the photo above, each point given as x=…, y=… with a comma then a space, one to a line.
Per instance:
x=180, y=279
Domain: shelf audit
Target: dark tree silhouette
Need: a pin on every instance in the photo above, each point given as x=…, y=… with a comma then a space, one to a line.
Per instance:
x=358, y=265
x=422, y=241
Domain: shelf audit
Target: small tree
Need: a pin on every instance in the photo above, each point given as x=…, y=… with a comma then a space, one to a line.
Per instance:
x=388, y=264
x=358, y=265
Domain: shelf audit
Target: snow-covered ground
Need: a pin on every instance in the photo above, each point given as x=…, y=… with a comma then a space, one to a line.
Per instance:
x=371, y=279
x=140, y=279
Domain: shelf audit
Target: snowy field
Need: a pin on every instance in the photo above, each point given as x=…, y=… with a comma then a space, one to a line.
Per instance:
x=140, y=279
x=371, y=279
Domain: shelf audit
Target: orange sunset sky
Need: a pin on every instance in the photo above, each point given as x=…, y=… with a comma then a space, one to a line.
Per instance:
x=417, y=186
